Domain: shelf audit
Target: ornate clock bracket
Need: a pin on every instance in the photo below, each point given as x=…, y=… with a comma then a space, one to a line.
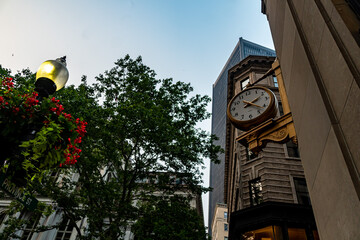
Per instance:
x=280, y=130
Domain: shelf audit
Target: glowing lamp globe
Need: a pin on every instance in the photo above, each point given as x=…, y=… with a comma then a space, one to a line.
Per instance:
x=51, y=76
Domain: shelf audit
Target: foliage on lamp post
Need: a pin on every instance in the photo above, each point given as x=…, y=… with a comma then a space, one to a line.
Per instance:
x=35, y=137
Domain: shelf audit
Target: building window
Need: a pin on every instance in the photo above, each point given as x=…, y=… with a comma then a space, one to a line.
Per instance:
x=281, y=109
x=275, y=81
x=32, y=221
x=225, y=215
x=292, y=149
x=225, y=238
x=225, y=227
x=244, y=83
x=249, y=154
x=65, y=230
x=255, y=190
x=302, y=193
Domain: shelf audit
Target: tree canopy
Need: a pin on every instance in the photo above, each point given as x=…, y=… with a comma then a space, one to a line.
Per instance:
x=169, y=219
x=139, y=127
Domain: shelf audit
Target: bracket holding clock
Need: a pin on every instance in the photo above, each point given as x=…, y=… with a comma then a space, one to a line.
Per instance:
x=280, y=130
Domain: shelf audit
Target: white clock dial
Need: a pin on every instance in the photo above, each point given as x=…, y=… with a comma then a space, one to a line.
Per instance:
x=250, y=104
x=251, y=107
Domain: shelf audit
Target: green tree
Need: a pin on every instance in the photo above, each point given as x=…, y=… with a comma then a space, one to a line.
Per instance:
x=138, y=126
x=164, y=219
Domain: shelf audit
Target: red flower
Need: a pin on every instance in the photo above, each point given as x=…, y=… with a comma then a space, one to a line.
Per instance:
x=23, y=105
x=67, y=116
x=54, y=100
x=31, y=101
x=59, y=110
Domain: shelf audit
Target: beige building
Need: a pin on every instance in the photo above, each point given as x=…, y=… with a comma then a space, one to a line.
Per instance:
x=220, y=226
x=266, y=191
x=317, y=44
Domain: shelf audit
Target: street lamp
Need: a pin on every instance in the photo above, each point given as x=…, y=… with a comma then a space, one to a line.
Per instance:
x=51, y=76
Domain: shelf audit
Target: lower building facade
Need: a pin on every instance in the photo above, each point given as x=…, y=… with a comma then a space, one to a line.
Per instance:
x=274, y=220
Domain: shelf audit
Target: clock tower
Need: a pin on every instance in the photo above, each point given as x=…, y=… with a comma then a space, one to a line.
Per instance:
x=265, y=185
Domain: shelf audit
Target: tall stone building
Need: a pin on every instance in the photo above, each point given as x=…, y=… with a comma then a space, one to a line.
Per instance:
x=242, y=49
x=317, y=44
x=220, y=225
x=266, y=192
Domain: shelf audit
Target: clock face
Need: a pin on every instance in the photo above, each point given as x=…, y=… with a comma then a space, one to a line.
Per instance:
x=252, y=106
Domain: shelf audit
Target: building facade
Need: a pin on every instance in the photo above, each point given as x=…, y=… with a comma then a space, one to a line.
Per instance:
x=266, y=192
x=242, y=49
x=67, y=230
x=318, y=48
x=220, y=225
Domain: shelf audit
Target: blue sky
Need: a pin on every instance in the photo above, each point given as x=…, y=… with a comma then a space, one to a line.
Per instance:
x=187, y=40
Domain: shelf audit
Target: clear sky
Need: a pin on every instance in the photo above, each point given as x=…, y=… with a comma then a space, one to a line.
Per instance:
x=187, y=40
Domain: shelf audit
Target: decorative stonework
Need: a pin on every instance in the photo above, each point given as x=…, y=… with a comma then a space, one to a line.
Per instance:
x=278, y=136
x=280, y=130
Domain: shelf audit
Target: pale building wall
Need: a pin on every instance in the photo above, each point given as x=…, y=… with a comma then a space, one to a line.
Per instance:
x=320, y=62
x=218, y=229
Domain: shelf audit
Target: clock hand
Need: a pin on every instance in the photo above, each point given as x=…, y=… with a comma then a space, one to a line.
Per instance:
x=255, y=99
x=251, y=103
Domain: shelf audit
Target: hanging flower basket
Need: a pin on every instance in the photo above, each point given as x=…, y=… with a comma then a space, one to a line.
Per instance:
x=35, y=137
